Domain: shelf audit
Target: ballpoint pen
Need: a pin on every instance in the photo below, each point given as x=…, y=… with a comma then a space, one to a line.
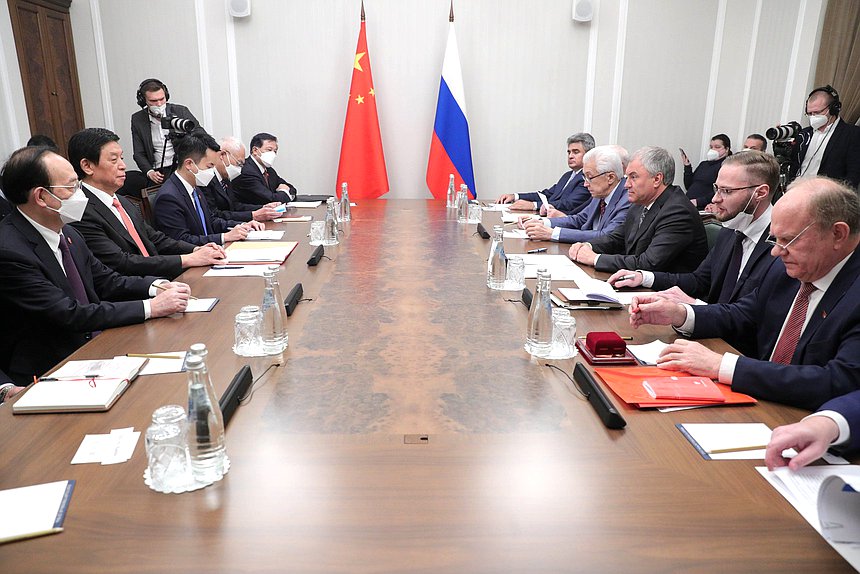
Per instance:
x=167, y=288
x=539, y=250
x=626, y=277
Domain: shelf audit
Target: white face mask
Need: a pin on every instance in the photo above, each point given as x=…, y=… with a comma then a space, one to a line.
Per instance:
x=204, y=176
x=817, y=121
x=712, y=155
x=743, y=219
x=233, y=171
x=71, y=209
x=268, y=158
x=158, y=111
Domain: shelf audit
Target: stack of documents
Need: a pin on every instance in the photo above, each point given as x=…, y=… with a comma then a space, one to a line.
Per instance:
x=259, y=252
x=264, y=235
x=113, y=448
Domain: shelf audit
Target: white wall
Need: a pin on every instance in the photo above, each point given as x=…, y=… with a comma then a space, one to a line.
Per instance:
x=663, y=72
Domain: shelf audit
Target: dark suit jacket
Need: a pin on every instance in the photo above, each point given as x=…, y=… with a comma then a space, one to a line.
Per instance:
x=827, y=358
x=587, y=225
x=849, y=407
x=222, y=205
x=571, y=200
x=36, y=298
x=141, y=135
x=841, y=159
x=5, y=207
x=250, y=186
x=176, y=215
x=671, y=238
x=111, y=243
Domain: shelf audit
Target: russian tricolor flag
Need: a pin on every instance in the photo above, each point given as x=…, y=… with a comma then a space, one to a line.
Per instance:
x=450, y=150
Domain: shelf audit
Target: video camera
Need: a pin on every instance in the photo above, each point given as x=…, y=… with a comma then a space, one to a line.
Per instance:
x=177, y=124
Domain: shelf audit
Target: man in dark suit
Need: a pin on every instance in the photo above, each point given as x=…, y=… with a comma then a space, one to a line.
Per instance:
x=604, y=177
x=152, y=144
x=741, y=255
x=805, y=313
x=179, y=209
x=54, y=293
x=569, y=195
x=662, y=232
x=219, y=193
x=259, y=183
x=112, y=227
x=837, y=423
x=829, y=146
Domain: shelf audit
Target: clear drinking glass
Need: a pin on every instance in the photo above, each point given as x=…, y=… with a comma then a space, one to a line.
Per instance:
x=317, y=232
x=248, y=340
x=167, y=449
x=563, y=334
x=515, y=277
x=474, y=213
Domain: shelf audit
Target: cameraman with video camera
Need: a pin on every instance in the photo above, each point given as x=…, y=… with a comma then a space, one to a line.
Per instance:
x=154, y=127
x=829, y=146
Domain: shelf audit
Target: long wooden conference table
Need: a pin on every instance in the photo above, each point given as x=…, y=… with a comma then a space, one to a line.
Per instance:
x=403, y=340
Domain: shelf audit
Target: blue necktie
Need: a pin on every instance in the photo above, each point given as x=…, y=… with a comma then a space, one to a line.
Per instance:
x=199, y=210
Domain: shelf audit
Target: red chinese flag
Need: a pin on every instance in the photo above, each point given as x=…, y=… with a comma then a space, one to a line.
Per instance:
x=362, y=161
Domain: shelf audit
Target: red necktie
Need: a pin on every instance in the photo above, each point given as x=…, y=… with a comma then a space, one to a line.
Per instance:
x=266, y=177
x=602, y=205
x=129, y=226
x=791, y=334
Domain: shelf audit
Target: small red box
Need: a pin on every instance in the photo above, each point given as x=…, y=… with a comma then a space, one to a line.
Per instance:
x=605, y=343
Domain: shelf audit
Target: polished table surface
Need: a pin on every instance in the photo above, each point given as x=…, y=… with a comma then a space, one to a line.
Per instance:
x=403, y=338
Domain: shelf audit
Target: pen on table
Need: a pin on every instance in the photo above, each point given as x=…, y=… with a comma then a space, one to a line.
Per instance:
x=228, y=267
x=167, y=288
x=626, y=277
x=539, y=250
x=83, y=378
x=153, y=356
x=736, y=449
x=622, y=338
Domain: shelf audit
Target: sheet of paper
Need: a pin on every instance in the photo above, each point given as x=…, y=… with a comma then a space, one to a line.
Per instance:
x=649, y=352
x=547, y=261
x=113, y=448
x=714, y=436
x=556, y=273
x=33, y=510
x=508, y=217
x=203, y=305
x=125, y=441
x=293, y=219
x=543, y=200
x=264, y=235
x=306, y=204
x=117, y=367
x=495, y=207
x=158, y=366
x=515, y=234
x=238, y=271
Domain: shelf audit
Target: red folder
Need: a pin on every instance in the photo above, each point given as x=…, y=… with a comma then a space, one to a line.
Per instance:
x=626, y=382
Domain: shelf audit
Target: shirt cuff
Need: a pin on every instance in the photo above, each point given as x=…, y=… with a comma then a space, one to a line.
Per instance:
x=841, y=422
x=546, y=221
x=727, y=368
x=153, y=290
x=647, y=278
x=689, y=323
x=556, y=233
x=516, y=197
x=699, y=302
x=147, y=309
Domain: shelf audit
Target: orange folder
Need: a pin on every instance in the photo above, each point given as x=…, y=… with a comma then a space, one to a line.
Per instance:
x=626, y=382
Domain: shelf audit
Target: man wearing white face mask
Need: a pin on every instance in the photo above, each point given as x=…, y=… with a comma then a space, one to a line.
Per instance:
x=829, y=146
x=219, y=192
x=699, y=182
x=740, y=257
x=180, y=210
x=153, y=148
x=259, y=183
x=54, y=293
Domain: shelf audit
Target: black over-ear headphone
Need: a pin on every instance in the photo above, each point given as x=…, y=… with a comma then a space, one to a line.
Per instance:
x=141, y=96
x=834, y=106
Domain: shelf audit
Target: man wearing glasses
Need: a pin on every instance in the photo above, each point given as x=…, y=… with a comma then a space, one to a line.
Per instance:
x=740, y=257
x=829, y=146
x=805, y=313
x=55, y=294
x=219, y=193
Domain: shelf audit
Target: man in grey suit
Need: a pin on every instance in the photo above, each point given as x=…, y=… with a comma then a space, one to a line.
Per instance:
x=152, y=144
x=604, y=177
x=662, y=232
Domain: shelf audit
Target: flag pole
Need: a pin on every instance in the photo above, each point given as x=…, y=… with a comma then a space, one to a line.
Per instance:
x=450, y=14
x=362, y=10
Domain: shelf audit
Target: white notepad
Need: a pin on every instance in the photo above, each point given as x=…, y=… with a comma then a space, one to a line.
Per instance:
x=70, y=396
x=36, y=510
x=264, y=235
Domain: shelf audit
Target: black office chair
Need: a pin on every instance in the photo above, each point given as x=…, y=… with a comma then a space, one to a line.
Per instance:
x=712, y=229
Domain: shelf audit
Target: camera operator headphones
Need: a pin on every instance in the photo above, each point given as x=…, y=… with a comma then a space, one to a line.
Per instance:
x=834, y=106
x=141, y=96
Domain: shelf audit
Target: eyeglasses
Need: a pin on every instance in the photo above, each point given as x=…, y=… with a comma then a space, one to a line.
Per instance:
x=592, y=178
x=771, y=240
x=77, y=187
x=727, y=191
x=819, y=112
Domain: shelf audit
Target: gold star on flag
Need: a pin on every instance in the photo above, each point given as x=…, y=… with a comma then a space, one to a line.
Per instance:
x=358, y=57
x=371, y=92
x=359, y=100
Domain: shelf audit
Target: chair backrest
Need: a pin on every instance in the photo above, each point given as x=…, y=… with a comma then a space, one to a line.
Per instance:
x=147, y=197
x=712, y=229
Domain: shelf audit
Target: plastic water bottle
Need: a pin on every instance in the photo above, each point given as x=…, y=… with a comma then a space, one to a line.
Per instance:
x=463, y=204
x=274, y=329
x=451, y=202
x=330, y=232
x=497, y=261
x=206, y=446
x=344, y=202
x=539, y=337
